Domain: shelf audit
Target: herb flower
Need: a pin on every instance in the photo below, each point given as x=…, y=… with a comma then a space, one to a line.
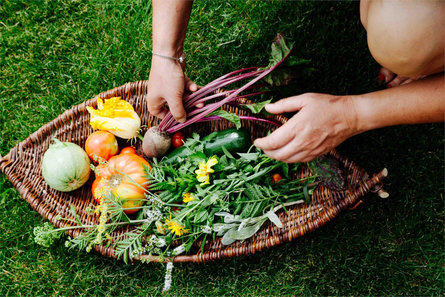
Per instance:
x=187, y=197
x=202, y=174
x=116, y=116
x=176, y=227
x=103, y=209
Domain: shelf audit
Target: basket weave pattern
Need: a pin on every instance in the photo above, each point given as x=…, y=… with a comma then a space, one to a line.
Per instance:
x=22, y=166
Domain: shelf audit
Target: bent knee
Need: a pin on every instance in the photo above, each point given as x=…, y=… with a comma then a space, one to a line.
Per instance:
x=406, y=38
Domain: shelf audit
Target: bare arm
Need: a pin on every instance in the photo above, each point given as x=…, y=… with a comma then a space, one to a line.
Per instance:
x=170, y=21
x=421, y=101
x=167, y=80
x=324, y=121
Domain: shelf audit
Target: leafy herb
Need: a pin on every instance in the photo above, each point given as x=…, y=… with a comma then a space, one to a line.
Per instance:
x=329, y=171
x=230, y=196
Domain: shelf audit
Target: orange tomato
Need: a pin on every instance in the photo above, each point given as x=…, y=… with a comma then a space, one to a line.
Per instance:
x=128, y=149
x=124, y=177
x=276, y=177
x=101, y=144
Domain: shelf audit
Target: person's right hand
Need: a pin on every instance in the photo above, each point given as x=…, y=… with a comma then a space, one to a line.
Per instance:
x=166, y=84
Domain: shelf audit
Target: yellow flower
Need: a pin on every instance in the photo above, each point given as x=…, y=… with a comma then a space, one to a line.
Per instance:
x=176, y=227
x=187, y=197
x=103, y=209
x=116, y=116
x=202, y=174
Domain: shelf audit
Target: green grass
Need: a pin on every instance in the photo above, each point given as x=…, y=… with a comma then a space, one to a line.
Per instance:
x=55, y=54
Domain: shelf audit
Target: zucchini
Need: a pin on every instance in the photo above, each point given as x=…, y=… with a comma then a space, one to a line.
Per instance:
x=232, y=140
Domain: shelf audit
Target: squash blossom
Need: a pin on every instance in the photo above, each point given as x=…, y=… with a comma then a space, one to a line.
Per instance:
x=202, y=174
x=116, y=116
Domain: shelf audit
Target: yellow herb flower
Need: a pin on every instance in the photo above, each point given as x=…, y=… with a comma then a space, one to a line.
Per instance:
x=116, y=116
x=187, y=197
x=176, y=227
x=102, y=221
x=205, y=168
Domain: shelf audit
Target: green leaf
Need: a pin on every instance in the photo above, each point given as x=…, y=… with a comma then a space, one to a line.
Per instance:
x=74, y=213
x=279, y=49
x=198, y=157
x=200, y=217
x=227, y=154
x=244, y=232
x=272, y=216
x=281, y=76
x=294, y=61
x=126, y=249
x=231, y=117
x=257, y=107
x=285, y=168
x=329, y=172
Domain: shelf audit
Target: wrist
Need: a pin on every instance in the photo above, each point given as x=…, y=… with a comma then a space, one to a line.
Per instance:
x=364, y=113
x=181, y=59
x=168, y=50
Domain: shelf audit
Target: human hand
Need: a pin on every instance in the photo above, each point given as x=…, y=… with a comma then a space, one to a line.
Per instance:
x=166, y=84
x=322, y=122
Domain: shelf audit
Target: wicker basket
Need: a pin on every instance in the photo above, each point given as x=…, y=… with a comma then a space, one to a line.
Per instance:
x=22, y=167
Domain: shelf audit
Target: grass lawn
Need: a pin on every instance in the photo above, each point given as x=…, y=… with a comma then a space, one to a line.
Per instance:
x=55, y=54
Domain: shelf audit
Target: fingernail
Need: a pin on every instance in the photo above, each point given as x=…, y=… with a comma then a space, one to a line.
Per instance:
x=381, y=78
x=181, y=120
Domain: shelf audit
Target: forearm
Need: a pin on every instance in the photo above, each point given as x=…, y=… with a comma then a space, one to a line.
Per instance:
x=170, y=20
x=421, y=101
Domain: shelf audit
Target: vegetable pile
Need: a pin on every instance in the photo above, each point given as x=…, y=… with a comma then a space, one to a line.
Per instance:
x=206, y=186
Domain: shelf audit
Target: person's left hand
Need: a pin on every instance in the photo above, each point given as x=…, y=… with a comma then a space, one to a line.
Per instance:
x=322, y=122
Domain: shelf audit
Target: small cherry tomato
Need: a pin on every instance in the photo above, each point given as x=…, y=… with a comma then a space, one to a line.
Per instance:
x=101, y=144
x=178, y=139
x=128, y=150
x=276, y=177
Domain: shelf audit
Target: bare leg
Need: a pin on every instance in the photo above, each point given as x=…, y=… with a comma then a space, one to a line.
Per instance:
x=406, y=37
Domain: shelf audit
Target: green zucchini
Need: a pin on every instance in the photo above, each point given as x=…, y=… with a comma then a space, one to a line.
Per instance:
x=232, y=140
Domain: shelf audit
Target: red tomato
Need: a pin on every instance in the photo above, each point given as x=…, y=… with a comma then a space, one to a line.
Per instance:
x=178, y=139
x=101, y=144
x=128, y=150
x=276, y=177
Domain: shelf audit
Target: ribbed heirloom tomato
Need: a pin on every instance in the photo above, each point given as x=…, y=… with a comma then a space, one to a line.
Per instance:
x=124, y=177
x=101, y=144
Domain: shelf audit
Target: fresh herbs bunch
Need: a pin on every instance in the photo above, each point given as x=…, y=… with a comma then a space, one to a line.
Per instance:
x=202, y=195
x=197, y=197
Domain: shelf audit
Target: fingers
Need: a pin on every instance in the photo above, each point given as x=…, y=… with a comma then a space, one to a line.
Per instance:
x=398, y=81
x=299, y=148
x=176, y=107
x=285, y=133
x=285, y=105
x=190, y=85
x=386, y=75
x=277, y=139
x=155, y=106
